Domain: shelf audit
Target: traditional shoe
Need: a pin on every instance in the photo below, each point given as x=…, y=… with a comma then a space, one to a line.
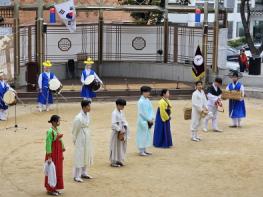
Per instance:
x=40, y=109
x=205, y=130
x=52, y=193
x=47, y=109
x=195, y=139
x=143, y=154
x=84, y=176
x=218, y=130
x=59, y=193
x=233, y=126
x=79, y=180
x=119, y=163
x=147, y=153
x=115, y=165
x=198, y=138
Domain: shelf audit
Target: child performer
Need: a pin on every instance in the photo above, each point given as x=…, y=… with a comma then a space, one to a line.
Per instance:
x=214, y=100
x=144, y=121
x=86, y=92
x=237, y=109
x=45, y=97
x=118, y=143
x=83, y=156
x=54, y=153
x=199, y=106
x=162, y=131
x=4, y=87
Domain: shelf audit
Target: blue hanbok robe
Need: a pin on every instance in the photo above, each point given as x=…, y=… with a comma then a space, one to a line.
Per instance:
x=45, y=95
x=86, y=91
x=145, y=114
x=4, y=87
x=237, y=108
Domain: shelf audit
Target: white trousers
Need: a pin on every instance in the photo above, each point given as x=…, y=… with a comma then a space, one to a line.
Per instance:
x=211, y=116
x=236, y=121
x=3, y=114
x=80, y=171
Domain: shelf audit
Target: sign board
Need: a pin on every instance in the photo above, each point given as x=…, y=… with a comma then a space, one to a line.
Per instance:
x=5, y=2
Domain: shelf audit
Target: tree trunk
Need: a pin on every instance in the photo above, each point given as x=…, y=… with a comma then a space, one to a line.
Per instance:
x=246, y=22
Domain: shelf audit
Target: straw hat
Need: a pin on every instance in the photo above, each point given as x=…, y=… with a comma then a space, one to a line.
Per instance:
x=47, y=63
x=89, y=61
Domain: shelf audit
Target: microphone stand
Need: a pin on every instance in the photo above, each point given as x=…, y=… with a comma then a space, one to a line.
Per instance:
x=16, y=127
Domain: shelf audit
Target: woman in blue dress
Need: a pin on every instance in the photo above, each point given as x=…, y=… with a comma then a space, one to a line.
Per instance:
x=162, y=132
x=45, y=97
x=86, y=91
x=237, y=109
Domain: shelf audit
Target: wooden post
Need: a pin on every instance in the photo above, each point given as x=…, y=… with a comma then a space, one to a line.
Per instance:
x=16, y=44
x=205, y=40
x=100, y=40
x=215, y=40
x=166, y=34
x=39, y=35
x=29, y=44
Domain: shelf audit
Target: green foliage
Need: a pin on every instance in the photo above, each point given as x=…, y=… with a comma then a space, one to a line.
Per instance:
x=146, y=17
x=237, y=42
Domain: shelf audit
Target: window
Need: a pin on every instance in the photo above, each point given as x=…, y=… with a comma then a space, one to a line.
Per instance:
x=230, y=30
x=240, y=30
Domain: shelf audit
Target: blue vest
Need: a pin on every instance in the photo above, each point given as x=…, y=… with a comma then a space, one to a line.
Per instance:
x=86, y=91
x=237, y=108
x=3, y=90
x=46, y=97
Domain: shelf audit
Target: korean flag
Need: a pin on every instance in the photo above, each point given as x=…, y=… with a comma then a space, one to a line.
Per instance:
x=67, y=13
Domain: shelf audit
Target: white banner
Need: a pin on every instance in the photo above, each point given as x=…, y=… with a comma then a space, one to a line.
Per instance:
x=67, y=13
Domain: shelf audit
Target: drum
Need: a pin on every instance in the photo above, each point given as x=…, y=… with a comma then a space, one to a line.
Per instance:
x=93, y=83
x=234, y=95
x=55, y=86
x=10, y=97
x=187, y=113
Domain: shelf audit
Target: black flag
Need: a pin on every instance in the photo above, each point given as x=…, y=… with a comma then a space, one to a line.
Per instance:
x=198, y=69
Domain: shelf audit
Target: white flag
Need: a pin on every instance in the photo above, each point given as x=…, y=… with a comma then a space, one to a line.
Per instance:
x=67, y=13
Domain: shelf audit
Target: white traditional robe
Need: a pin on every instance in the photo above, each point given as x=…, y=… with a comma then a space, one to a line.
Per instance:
x=199, y=102
x=117, y=147
x=83, y=155
x=212, y=108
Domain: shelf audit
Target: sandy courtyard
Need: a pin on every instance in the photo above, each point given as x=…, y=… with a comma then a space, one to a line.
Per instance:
x=228, y=164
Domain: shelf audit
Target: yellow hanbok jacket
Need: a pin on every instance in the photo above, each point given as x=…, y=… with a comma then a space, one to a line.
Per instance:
x=164, y=104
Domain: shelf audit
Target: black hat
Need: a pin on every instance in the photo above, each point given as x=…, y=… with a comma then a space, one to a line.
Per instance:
x=235, y=73
x=121, y=101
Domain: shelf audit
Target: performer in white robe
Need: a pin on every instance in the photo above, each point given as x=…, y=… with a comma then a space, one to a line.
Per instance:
x=118, y=142
x=199, y=106
x=214, y=101
x=83, y=154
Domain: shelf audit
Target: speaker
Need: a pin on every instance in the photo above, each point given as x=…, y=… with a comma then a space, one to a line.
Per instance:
x=44, y=28
x=254, y=65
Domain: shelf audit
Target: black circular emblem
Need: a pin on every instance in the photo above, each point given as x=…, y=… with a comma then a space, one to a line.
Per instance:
x=138, y=43
x=64, y=44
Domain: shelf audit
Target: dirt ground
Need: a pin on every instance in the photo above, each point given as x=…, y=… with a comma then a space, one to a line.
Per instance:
x=228, y=164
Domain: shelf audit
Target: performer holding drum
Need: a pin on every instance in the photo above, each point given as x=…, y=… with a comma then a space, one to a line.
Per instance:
x=45, y=97
x=90, y=81
x=5, y=92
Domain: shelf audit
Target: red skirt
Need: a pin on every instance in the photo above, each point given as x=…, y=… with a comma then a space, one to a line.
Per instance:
x=57, y=158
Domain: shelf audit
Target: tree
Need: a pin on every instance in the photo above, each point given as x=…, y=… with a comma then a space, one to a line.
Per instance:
x=245, y=13
x=146, y=17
